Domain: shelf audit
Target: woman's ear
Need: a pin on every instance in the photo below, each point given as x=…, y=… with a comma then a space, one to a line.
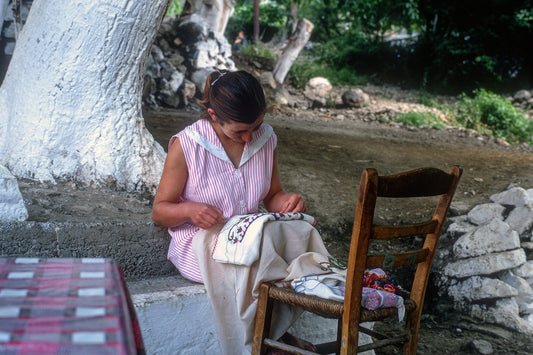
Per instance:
x=212, y=114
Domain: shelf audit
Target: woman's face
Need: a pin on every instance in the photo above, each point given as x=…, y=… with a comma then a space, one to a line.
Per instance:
x=238, y=131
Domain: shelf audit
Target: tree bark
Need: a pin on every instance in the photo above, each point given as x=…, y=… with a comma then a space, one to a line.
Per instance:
x=70, y=104
x=291, y=51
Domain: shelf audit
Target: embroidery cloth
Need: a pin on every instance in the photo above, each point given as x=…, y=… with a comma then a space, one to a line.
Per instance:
x=239, y=240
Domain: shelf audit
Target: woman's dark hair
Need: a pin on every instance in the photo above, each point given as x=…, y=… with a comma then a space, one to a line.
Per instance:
x=234, y=96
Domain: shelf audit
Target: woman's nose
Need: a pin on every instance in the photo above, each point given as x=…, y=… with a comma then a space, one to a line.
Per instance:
x=247, y=137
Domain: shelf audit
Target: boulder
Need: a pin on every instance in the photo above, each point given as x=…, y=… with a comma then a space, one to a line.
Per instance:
x=355, y=98
x=317, y=91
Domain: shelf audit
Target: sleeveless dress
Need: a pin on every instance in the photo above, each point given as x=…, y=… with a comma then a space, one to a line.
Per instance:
x=214, y=180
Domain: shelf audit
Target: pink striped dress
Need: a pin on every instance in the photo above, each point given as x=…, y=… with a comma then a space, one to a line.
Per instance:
x=214, y=180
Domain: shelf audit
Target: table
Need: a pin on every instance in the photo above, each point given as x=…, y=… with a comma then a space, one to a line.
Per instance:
x=66, y=305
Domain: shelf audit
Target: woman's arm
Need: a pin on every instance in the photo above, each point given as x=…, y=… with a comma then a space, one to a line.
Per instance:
x=166, y=210
x=278, y=200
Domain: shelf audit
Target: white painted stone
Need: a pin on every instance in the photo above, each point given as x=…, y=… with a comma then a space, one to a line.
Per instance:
x=504, y=313
x=72, y=94
x=11, y=202
x=484, y=213
x=520, y=218
x=485, y=264
x=515, y=196
x=481, y=288
x=494, y=236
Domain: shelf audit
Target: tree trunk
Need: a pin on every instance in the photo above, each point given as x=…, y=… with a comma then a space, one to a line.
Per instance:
x=215, y=12
x=295, y=44
x=70, y=104
x=294, y=15
x=256, y=21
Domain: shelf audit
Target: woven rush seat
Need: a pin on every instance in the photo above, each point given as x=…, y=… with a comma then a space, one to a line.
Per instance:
x=332, y=309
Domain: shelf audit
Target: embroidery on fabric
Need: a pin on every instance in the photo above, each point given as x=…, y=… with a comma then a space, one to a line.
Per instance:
x=239, y=240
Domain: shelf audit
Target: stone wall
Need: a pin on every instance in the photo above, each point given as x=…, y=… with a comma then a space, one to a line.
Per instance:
x=484, y=262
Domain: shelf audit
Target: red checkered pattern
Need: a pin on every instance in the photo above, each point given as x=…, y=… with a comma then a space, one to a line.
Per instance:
x=68, y=306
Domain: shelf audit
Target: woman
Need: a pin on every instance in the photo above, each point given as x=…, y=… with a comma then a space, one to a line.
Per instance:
x=224, y=165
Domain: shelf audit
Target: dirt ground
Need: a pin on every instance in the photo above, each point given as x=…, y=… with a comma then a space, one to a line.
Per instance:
x=321, y=156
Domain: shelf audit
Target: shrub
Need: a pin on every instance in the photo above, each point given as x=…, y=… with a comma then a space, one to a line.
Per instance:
x=492, y=113
x=419, y=119
x=174, y=8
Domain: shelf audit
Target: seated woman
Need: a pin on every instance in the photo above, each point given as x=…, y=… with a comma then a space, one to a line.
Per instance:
x=225, y=165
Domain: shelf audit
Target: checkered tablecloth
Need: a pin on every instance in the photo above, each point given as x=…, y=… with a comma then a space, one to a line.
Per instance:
x=66, y=306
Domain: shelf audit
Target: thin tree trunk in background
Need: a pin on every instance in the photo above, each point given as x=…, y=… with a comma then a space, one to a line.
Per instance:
x=256, y=21
x=291, y=51
x=70, y=104
x=294, y=15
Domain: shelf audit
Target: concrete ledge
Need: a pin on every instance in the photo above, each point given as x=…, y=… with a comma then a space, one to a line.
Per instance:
x=175, y=318
x=139, y=248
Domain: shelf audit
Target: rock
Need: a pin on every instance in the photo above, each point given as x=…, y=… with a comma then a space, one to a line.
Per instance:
x=525, y=270
x=481, y=288
x=355, y=98
x=505, y=313
x=484, y=213
x=460, y=227
x=11, y=203
x=515, y=196
x=520, y=218
x=522, y=96
x=479, y=346
x=318, y=90
x=189, y=89
x=485, y=264
x=525, y=292
x=496, y=236
x=267, y=80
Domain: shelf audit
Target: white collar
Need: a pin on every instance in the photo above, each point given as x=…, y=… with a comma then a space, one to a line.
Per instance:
x=249, y=149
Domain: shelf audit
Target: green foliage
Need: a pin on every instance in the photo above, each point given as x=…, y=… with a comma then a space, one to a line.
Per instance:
x=272, y=20
x=419, y=119
x=492, y=113
x=306, y=68
x=260, y=50
x=174, y=8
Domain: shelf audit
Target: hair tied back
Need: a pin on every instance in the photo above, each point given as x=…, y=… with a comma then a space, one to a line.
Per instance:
x=221, y=74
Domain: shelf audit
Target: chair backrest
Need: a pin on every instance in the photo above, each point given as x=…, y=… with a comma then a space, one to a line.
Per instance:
x=415, y=183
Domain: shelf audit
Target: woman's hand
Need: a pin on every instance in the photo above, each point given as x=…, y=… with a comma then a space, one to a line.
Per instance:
x=293, y=203
x=205, y=216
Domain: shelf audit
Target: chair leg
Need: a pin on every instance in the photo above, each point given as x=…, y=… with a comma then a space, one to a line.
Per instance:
x=412, y=326
x=263, y=319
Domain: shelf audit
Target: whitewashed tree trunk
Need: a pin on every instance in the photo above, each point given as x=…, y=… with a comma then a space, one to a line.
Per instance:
x=215, y=12
x=293, y=48
x=70, y=104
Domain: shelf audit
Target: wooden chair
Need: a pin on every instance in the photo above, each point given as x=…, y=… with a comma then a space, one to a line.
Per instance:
x=416, y=183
